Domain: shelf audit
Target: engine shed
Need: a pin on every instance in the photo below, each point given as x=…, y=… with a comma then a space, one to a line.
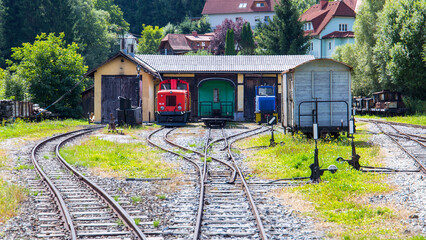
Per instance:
x=317, y=91
x=138, y=76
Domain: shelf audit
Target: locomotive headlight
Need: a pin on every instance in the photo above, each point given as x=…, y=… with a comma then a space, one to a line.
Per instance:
x=162, y=107
x=179, y=108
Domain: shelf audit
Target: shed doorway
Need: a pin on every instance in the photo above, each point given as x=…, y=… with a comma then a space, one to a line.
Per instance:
x=112, y=88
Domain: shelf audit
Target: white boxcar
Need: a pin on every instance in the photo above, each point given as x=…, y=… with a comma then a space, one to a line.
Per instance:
x=317, y=91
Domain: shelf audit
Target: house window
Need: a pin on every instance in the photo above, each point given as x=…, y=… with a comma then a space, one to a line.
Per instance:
x=329, y=46
x=257, y=19
x=260, y=4
x=216, y=95
x=312, y=46
x=266, y=19
x=238, y=18
x=307, y=26
x=203, y=44
x=343, y=27
x=242, y=5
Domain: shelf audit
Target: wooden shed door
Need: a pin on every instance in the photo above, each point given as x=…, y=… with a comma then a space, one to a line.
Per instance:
x=112, y=88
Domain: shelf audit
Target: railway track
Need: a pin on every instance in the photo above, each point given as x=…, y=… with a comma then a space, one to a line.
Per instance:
x=225, y=207
x=412, y=144
x=71, y=206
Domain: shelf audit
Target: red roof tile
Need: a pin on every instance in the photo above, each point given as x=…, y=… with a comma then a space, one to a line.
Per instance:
x=337, y=34
x=181, y=42
x=232, y=6
x=320, y=17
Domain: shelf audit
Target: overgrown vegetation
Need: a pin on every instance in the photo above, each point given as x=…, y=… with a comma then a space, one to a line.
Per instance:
x=119, y=159
x=10, y=198
x=41, y=129
x=341, y=198
x=414, y=119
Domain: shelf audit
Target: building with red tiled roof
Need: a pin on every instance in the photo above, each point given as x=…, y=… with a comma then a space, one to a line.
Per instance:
x=253, y=11
x=176, y=44
x=330, y=24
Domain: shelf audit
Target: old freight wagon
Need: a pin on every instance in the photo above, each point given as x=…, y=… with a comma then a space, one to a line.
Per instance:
x=317, y=91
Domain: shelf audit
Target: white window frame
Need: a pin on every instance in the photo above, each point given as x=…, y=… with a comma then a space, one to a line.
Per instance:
x=343, y=27
x=329, y=45
x=242, y=5
x=256, y=18
x=261, y=4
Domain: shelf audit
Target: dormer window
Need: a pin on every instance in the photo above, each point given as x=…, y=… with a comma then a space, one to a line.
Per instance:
x=242, y=5
x=261, y=4
x=343, y=27
x=308, y=26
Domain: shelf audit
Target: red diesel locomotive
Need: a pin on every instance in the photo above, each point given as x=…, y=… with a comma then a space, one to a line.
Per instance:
x=173, y=103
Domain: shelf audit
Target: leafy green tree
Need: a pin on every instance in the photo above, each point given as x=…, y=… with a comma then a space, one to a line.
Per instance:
x=247, y=42
x=116, y=20
x=150, y=39
x=14, y=87
x=230, y=43
x=169, y=28
x=201, y=26
x=50, y=69
x=303, y=5
x=399, y=47
x=284, y=34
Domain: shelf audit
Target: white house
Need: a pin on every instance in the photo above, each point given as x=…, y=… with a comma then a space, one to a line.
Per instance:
x=329, y=24
x=253, y=11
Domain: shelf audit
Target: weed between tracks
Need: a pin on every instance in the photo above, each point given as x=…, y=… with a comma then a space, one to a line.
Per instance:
x=34, y=130
x=341, y=200
x=113, y=159
x=10, y=195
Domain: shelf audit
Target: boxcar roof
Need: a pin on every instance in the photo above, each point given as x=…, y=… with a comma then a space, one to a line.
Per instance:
x=229, y=64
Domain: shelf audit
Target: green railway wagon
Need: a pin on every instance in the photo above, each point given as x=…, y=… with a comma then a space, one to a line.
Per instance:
x=216, y=101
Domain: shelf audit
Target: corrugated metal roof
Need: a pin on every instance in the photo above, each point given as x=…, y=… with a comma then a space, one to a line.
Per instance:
x=255, y=64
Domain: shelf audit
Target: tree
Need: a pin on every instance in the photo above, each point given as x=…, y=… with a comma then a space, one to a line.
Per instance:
x=303, y=5
x=116, y=20
x=169, y=28
x=247, y=42
x=230, y=43
x=217, y=45
x=150, y=39
x=284, y=34
x=200, y=26
x=50, y=68
x=399, y=47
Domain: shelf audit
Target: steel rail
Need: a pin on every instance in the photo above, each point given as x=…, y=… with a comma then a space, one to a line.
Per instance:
x=201, y=178
x=56, y=194
x=421, y=166
x=235, y=135
x=122, y=214
x=253, y=207
x=197, y=229
x=234, y=171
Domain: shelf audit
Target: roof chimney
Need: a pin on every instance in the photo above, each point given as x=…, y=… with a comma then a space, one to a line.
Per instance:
x=323, y=3
x=194, y=33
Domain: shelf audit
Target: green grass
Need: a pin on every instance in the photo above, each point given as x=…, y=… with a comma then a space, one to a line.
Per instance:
x=119, y=159
x=136, y=199
x=10, y=198
x=161, y=197
x=156, y=223
x=413, y=119
x=341, y=198
x=41, y=129
x=24, y=166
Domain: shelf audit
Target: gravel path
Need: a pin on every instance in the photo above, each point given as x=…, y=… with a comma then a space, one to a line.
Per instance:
x=411, y=187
